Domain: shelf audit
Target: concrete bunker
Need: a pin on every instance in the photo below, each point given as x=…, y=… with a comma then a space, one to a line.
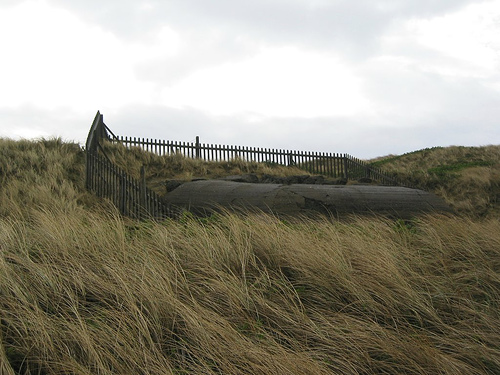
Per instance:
x=202, y=197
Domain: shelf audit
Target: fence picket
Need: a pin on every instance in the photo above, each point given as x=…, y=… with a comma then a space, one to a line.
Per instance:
x=131, y=197
x=335, y=165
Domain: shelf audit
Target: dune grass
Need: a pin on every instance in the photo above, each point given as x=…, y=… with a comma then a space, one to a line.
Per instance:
x=86, y=291
x=468, y=178
x=41, y=173
x=177, y=167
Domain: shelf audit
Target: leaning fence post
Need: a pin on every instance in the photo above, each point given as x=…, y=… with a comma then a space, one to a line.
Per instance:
x=123, y=194
x=142, y=191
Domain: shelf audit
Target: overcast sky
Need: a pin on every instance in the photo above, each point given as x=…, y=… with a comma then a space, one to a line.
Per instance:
x=364, y=77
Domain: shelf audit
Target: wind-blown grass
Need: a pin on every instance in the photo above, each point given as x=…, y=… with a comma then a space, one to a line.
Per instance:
x=46, y=172
x=89, y=293
x=85, y=291
x=176, y=166
x=468, y=178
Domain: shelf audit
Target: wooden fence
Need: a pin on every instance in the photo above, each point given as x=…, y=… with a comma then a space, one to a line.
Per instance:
x=328, y=164
x=133, y=198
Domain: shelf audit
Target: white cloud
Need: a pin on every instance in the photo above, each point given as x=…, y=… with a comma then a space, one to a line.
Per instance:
x=277, y=82
x=53, y=60
x=285, y=72
x=470, y=36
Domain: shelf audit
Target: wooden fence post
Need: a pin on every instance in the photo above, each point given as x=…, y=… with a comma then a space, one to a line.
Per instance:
x=346, y=173
x=123, y=194
x=198, y=149
x=143, y=192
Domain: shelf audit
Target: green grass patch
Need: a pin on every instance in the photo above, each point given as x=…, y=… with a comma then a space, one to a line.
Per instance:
x=444, y=170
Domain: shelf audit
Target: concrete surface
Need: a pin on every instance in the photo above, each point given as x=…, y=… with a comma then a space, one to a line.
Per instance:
x=204, y=196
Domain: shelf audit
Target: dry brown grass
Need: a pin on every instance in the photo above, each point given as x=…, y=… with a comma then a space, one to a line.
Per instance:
x=46, y=172
x=85, y=291
x=90, y=293
x=466, y=177
x=177, y=167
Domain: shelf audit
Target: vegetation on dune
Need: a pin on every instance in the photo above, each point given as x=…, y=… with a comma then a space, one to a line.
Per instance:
x=85, y=291
x=178, y=167
x=466, y=177
x=93, y=294
x=43, y=173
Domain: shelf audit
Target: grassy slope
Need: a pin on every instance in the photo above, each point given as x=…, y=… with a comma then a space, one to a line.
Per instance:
x=161, y=168
x=85, y=291
x=467, y=177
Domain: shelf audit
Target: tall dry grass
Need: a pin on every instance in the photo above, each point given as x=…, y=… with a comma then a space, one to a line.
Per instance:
x=468, y=178
x=46, y=172
x=176, y=166
x=90, y=293
x=85, y=291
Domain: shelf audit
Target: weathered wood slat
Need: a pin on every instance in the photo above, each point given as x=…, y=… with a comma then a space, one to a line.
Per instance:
x=130, y=196
x=329, y=164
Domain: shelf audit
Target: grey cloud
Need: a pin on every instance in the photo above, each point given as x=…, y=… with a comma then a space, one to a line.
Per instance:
x=345, y=21
x=332, y=134
x=336, y=135
x=186, y=124
x=419, y=94
x=427, y=109
x=416, y=108
x=9, y=3
x=351, y=28
x=161, y=122
x=200, y=52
